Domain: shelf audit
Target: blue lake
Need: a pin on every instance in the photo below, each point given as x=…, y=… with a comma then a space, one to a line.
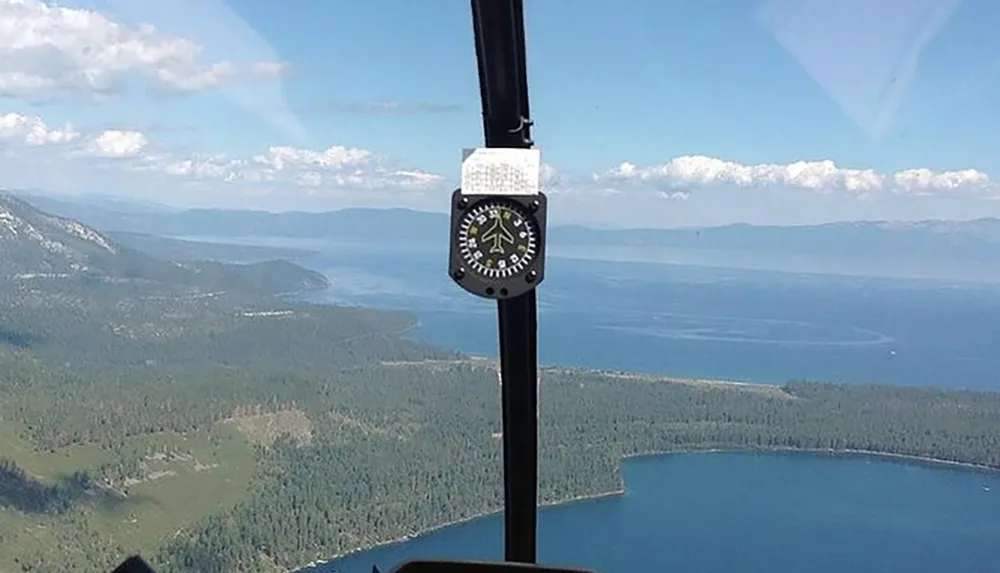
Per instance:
x=774, y=513
x=759, y=326
x=724, y=513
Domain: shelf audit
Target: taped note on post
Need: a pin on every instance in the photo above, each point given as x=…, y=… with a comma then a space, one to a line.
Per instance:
x=501, y=171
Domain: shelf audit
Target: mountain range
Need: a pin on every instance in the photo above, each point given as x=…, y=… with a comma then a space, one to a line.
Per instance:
x=976, y=241
x=38, y=247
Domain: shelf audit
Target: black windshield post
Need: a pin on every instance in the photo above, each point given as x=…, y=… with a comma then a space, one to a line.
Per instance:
x=499, y=33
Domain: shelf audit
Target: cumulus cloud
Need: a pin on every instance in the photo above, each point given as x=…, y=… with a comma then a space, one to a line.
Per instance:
x=277, y=170
x=18, y=129
x=333, y=169
x=684, y=190
x=48, y=50
x=30, y=131
x=117, y=143
x=683, y=174
x=224, y=36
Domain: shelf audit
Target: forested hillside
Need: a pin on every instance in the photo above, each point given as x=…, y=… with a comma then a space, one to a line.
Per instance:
x=228, y=431
x=221, y=466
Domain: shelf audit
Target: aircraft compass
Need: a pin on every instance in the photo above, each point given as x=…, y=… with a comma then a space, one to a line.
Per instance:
x=498, y=224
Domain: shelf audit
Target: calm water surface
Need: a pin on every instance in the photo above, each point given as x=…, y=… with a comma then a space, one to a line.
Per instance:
x=736, y=513
x=725, y=513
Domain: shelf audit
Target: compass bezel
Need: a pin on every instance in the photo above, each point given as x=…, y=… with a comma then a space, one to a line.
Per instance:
x=476, y=240
x=534, y=209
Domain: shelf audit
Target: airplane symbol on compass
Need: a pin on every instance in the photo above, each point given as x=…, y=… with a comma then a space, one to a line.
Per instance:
x=498, y=235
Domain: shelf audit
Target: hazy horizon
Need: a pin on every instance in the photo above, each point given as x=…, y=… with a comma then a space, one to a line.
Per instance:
x=82, y=199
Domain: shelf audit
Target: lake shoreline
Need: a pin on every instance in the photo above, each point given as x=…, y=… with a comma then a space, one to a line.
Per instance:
x=885, y=456
x=936, y=462
x=454, y=522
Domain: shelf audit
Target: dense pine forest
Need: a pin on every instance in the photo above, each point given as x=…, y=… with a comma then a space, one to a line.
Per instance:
x=230, y=436
x=214, y=428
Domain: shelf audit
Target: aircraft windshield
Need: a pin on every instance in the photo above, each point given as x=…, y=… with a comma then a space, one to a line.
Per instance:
x=247, y=265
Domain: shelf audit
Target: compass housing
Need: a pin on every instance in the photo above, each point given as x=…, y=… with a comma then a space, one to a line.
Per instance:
x=497, y=243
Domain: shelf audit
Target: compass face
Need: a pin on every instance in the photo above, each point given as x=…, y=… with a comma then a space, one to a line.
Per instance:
x=497, y=239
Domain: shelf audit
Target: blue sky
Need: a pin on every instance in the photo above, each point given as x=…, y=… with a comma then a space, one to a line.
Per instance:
x=648, y=112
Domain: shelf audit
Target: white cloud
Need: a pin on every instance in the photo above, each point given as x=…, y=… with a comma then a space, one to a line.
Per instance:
x=47, y=50
x=683, y=191
x=31, y=130
x=285, y=169
x=925, y=181
x=116, y=143
x=691, y=172
x=279, y=169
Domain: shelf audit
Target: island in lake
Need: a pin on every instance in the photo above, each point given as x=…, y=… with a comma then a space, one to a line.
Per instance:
x=180, y=409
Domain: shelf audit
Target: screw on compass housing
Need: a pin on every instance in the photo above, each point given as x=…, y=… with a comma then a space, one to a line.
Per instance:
x=497, y=246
